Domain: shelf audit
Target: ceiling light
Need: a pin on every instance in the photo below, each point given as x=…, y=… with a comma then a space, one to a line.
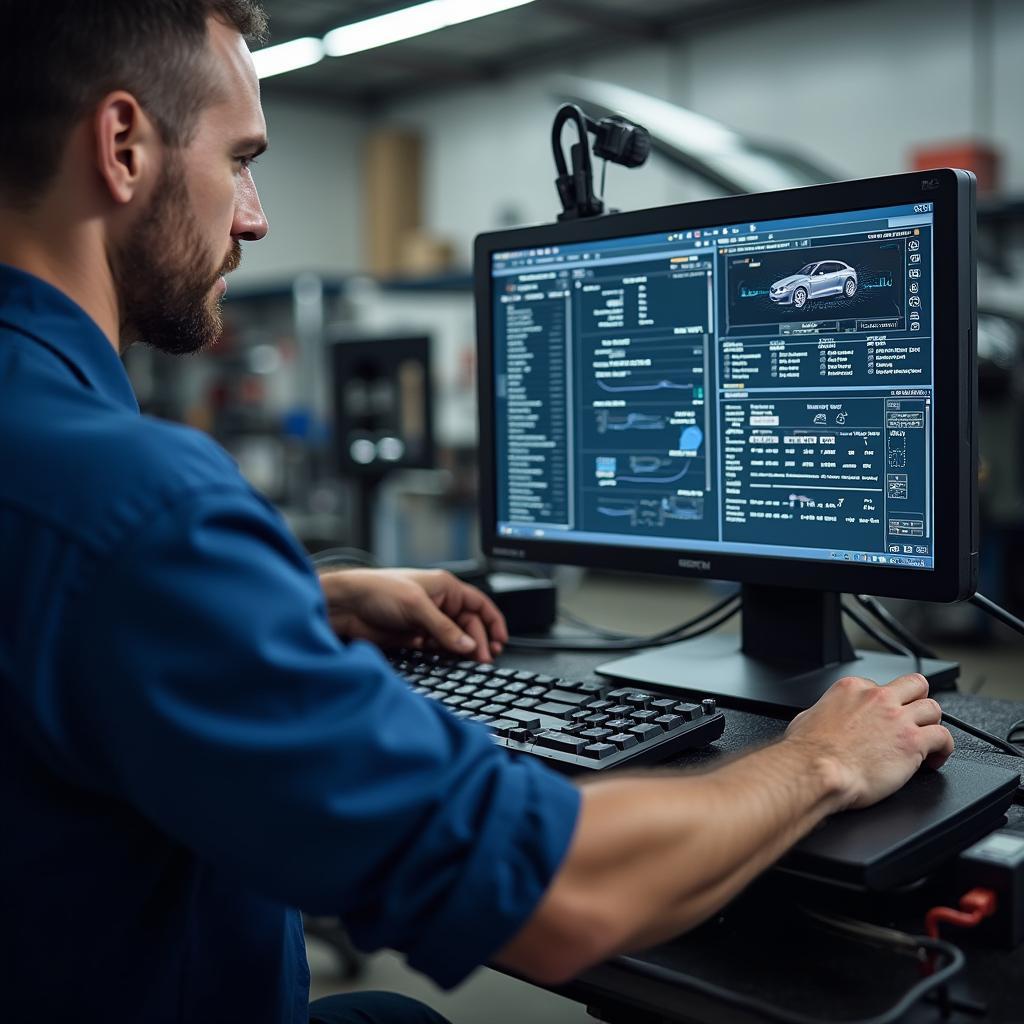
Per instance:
x=409, y=22
x=298, y=53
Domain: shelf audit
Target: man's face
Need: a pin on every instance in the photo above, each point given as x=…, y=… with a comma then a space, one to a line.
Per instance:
x=170, y=270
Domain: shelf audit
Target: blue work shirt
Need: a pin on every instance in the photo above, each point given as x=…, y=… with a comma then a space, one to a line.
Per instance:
x=188, y=752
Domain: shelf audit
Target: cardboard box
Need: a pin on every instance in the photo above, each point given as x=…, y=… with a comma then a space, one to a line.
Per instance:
x=392, y=185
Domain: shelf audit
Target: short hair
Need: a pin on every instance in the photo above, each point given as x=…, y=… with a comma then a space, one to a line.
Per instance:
x=60, y=57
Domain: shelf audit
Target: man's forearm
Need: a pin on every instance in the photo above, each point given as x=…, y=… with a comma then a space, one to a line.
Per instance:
x=653, y=857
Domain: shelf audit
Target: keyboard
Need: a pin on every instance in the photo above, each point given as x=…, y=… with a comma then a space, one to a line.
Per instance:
x=573, y=725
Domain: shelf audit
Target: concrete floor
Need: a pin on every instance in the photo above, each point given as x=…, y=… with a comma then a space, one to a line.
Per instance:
x=640, y=605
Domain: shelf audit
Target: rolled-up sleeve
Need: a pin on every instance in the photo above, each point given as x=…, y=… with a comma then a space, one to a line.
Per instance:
x=197, y=678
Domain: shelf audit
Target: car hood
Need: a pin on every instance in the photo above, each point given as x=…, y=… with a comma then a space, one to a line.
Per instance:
x=792, y=279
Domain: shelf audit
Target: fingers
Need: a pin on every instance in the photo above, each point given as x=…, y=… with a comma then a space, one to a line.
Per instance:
x=447, y=633
x=475, y=628
x=937, y=745
x=925, y=712
x=909, y=688
x=457, y=598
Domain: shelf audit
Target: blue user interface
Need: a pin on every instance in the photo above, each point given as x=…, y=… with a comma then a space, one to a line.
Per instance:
x=761, y=389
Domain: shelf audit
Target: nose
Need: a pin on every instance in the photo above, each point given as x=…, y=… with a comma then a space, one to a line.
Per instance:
x=250, y=223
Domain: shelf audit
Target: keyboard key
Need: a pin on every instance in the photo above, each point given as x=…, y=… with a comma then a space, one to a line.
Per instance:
x=505, y=698
x=520, y=734
x=579, y=699
x=596, y=719
x=494, y=710
x=476, y=679
x=594, y=689
x=558, y=710
x=535, y=691
x=670, y=722
x=546, y=680
x=469, y=666
x=663, y=704
x=619, y=723
x=688, y=711
x=639, y=700
x=618, y=710
x=503, y=726
x=524, y=718
x=559, y=741
x=599, y=705
x=465, y=691
x=486, y=693
x=448, y=687
x=453, y=701
x=504, y=673
x=646, y=732
x=599, y=751
x=473, y=705
x=525, y=702
x=484, y=669
x=597, y=734
x=644, y=716
x=514, y=687
x=457, y=676
x=525, y=677
x=623, y=740
x=582, y=715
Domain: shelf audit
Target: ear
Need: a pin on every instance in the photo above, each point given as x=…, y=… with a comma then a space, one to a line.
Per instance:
x=126, y=143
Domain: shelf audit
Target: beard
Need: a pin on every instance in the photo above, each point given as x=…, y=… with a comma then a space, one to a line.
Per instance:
x=163, y=274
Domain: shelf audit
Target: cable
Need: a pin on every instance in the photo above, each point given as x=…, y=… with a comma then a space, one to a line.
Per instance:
x=982, y=602
x=880, y=936
x=1005, y=745
x=974, y=907
x=724, y=610
x=880, y=612
x=884, y=641
x=1015, y=734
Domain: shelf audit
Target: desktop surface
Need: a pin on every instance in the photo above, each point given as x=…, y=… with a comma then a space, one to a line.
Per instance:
x=995, y=976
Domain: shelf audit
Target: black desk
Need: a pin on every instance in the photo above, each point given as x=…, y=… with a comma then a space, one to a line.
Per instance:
x=834, y=982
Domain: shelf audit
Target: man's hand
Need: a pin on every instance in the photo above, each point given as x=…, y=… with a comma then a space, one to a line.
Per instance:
x=414, y=608
x=876, y=737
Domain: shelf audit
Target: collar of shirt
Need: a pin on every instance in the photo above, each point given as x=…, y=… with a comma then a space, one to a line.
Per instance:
x=45, y=315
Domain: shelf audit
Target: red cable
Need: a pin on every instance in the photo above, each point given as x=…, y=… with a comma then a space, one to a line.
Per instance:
x=975, y=906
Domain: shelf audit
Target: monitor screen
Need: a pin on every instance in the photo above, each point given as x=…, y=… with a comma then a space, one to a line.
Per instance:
x=757, y=388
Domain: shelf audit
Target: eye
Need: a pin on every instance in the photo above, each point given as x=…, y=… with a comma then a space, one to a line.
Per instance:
x=246, y=162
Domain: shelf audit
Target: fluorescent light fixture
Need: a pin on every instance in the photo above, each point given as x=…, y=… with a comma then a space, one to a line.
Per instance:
x=290, y=56
x=409, y=22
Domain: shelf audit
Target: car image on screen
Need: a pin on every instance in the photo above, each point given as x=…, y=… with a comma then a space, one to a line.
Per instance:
x=815, y=281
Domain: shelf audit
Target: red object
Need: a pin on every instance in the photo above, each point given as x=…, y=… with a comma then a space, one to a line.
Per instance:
x=979, y=157
x=975, y=906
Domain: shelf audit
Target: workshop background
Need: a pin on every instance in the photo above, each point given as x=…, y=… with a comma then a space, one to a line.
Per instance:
x=344, y=383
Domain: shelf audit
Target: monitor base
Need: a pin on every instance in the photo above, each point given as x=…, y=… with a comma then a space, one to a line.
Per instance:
x=714, y=666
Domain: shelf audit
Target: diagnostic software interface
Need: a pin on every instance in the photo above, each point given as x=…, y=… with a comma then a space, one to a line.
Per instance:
x=757, y=389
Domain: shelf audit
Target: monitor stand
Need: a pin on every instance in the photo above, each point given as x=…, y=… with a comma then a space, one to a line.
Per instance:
x=792, y=649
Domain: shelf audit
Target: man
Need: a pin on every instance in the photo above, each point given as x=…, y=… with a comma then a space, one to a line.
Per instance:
x=187, y=750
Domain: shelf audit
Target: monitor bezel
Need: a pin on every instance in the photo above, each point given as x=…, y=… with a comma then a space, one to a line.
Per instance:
x=954, y=576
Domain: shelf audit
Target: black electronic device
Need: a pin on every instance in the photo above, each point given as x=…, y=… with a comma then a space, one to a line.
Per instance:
x=383, y=413
x=907, y=835
x=776, y=389
x=573, y=725
x=615, y=139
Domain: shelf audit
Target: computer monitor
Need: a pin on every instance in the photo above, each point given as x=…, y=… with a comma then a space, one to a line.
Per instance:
x=774, y=389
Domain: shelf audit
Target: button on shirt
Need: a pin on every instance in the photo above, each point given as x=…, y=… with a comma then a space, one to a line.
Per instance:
x=187, y=752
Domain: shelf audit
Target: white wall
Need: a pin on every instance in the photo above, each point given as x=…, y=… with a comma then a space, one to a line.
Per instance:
x=309, y=183
x=856, y=84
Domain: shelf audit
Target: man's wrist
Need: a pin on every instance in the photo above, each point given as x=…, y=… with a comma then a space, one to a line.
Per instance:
x=825, y=768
